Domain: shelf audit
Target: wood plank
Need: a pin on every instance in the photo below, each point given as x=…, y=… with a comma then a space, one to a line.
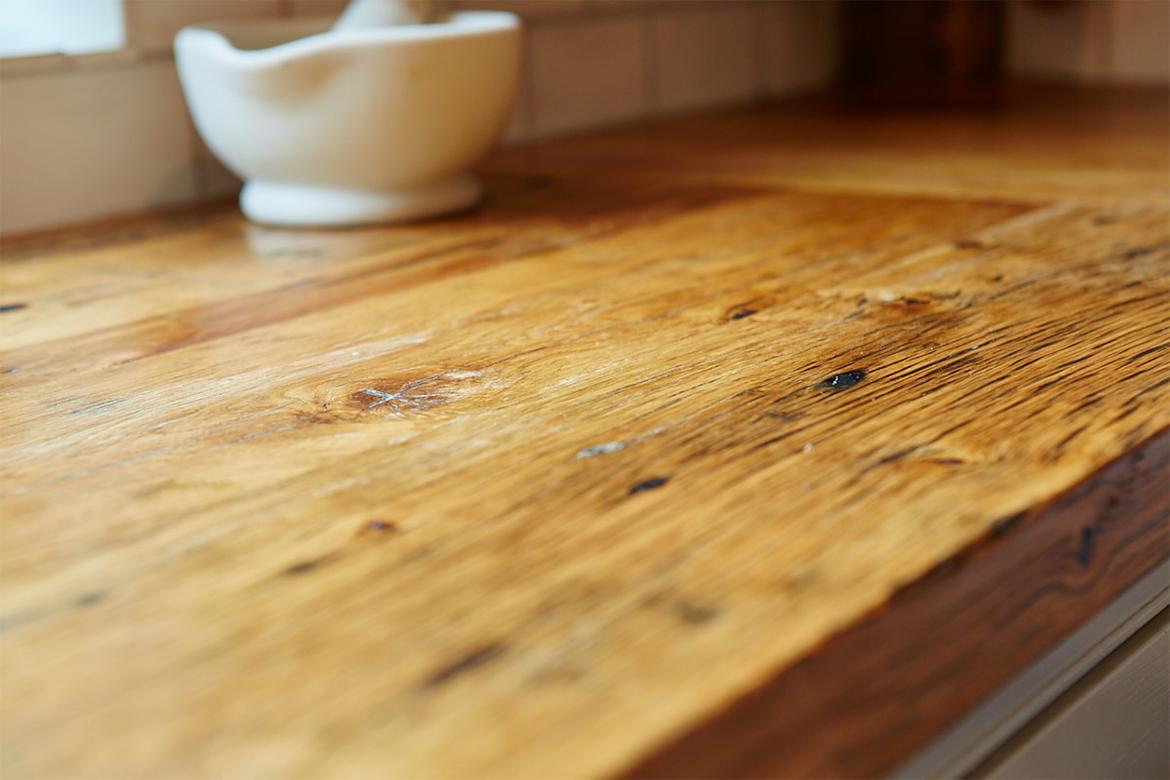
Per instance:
x=567, y=486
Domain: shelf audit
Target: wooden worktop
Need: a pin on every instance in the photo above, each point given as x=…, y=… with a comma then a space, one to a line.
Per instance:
x=760, y=444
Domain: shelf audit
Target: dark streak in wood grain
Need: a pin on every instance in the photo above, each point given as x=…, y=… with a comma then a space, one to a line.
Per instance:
x=18, y=619
x=379, y=528
x=1142, y=251
x=1151, y=351
x=1085, y=550
x=312, y=564
x=91, y=597
x=302, y=568
x=695, y=614
x=467, y=663
x=739, y=312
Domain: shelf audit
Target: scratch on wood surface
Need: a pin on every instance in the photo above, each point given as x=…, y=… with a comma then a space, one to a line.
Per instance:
x=406, y=396
x=601, y=449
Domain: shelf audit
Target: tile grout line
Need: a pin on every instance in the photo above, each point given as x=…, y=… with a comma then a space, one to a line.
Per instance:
x=648, y=42
x=760, y=19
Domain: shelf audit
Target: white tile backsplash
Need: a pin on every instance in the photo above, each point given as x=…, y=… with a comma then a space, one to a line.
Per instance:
x=587, y=74
x=799, y=45
x=1141, y=42
x=79, y=145
x=529, y=10
x=315, y=7
x=151, y=24
x=1095, y=42
x=1052, y=41
x=522, y=126
x=704, y=57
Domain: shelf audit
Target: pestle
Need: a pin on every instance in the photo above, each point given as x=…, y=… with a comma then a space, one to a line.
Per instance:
x=383, y=13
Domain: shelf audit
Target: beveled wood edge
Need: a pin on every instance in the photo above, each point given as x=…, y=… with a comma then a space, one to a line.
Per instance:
x=873, y=695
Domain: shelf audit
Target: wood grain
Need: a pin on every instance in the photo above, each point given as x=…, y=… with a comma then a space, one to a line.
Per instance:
x=572, y=485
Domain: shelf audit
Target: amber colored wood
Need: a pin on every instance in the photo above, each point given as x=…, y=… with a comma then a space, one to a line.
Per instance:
x=762, y=444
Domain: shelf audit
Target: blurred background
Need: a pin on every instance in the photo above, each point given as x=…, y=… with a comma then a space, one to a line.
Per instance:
x=93, y=124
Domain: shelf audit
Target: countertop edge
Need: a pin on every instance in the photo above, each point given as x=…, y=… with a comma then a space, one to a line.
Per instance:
x=871, y=696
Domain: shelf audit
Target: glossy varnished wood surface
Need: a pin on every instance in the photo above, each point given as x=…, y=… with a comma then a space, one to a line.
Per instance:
x=761, y=444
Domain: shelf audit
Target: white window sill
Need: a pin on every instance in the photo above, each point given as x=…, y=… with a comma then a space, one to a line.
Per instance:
x=39, y=64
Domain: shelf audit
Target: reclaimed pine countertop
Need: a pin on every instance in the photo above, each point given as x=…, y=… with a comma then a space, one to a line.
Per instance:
x=767, y=443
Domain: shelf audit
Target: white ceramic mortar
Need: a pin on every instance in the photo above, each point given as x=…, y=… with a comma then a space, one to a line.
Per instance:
x=349, y=127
